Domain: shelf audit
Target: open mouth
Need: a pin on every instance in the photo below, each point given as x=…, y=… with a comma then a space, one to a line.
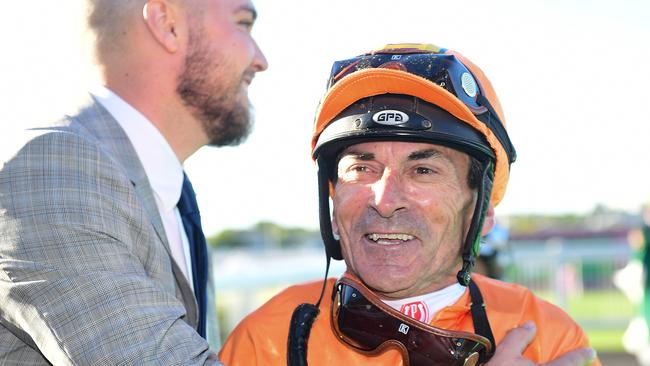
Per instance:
x=389, y=239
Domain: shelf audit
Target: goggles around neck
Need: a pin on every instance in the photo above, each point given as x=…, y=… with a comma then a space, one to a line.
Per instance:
x=443, y=69
x=361, y=320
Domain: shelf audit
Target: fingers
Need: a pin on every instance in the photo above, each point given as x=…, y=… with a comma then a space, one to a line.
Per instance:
x=509, y=352
x=577, y=357
x=513, y=345
x=517, y=339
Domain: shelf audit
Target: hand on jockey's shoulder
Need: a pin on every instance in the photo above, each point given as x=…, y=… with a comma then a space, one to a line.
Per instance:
x=509, y=352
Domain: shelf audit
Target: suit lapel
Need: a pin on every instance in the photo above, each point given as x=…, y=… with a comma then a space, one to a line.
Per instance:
x=102, y=125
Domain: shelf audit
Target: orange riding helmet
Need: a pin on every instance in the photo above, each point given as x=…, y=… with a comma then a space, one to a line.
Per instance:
x=413, y=92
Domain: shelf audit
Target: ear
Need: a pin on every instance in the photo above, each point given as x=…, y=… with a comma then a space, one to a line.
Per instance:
x=488, y=224
x=160, y=19
x=335, y=227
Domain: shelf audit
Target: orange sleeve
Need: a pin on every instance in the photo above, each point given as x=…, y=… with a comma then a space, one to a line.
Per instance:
x=556, y=335
x=239, y=349
x=510, y=305
x=259, y=340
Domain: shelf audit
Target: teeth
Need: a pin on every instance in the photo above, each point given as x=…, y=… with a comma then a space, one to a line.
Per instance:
x=402, y=237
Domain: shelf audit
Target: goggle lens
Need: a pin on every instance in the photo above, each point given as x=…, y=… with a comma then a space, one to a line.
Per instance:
x=371, y=327
x=442, y=69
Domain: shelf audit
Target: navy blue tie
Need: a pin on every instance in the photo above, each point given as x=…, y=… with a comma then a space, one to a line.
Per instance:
x=191, y=217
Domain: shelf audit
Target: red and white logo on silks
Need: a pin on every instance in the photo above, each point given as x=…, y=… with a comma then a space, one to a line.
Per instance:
x=417, y=310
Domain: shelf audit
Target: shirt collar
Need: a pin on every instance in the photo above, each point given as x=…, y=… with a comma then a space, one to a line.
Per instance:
x=452, y=316
x=164, y=171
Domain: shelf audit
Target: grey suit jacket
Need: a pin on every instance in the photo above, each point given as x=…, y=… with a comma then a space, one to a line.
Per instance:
x=86, y=275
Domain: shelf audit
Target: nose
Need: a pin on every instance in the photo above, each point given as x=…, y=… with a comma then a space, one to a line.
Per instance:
x=389, y=195
x=259, y=60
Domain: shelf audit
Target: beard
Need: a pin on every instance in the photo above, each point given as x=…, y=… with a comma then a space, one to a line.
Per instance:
x=224, y=115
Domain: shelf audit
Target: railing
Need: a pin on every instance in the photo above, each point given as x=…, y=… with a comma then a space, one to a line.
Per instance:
x=566, y=267
x=577, y=276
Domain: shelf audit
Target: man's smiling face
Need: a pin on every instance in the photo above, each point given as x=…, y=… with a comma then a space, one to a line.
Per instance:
x=402, y=210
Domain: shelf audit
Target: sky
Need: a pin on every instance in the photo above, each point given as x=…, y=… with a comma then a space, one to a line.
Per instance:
x=572, y=77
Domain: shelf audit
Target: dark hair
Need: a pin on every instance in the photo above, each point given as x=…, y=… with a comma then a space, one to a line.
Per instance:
x=474, y=173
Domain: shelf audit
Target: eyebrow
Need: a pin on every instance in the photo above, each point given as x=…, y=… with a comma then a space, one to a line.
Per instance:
x=249, y=8
x=416, y=155
x=363, y=156
x=423, y=154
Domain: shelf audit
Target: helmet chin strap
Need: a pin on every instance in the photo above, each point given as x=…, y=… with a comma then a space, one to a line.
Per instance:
x=332, y=246
x=472, y=241
x=304, y=315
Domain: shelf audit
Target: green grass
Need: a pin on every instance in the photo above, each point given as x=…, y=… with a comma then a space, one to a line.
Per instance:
x=601, y=304
x=606, y=340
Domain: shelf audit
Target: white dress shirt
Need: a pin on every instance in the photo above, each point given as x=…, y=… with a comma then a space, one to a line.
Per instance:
x=164, y=171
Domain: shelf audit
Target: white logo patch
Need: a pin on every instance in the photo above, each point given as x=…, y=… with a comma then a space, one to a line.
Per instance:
x=390, y=117
x=403, y=328
x=469, y=85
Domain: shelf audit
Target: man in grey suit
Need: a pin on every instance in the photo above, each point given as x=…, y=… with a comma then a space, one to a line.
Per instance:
x=97, y=261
